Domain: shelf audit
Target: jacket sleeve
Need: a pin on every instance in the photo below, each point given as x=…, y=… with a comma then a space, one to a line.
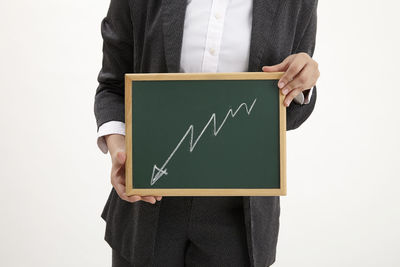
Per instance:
x=117, y=33
x=297, y=114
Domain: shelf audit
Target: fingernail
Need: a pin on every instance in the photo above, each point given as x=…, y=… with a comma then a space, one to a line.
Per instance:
x=287, y=103
x=281, y=84
x=284, y=91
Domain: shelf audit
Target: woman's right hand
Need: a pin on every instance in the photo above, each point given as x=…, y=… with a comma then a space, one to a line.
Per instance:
x=116, y=146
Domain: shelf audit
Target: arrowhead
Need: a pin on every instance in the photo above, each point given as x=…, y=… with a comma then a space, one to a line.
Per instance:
x=157, y=174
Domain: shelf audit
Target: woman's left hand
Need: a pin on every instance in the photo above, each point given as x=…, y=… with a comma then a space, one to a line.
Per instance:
x=301, y=73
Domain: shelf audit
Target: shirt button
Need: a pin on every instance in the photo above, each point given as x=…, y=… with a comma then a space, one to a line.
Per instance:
x=217, y=15
x=212, y=51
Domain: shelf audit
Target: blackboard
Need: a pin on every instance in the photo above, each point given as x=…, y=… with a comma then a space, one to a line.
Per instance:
x=205, y=134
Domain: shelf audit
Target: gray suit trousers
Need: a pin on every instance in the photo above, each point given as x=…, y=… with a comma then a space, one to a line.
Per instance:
x=198, y=231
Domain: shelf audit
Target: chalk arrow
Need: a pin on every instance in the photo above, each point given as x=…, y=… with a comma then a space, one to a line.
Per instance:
x=159, y=172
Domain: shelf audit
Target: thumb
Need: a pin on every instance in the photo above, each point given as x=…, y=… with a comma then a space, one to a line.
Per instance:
x=278, y=67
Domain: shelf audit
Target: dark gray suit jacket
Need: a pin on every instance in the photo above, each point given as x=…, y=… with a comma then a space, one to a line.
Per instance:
x=145, y=36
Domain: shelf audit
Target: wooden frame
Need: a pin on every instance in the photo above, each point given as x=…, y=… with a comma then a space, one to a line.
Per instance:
x=129, y=78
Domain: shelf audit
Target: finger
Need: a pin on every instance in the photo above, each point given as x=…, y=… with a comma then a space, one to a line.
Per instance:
x=149, y=199
x=304, y=80
x=294, y=68
x=158, y=198
x=278, y=67
x=296, y=83
x=291, y=96
x=133, y=198
x=122, y=194
x=300, y=81
x=120, y=189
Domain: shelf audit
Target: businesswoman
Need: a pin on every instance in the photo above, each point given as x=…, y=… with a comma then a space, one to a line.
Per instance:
x=199, y=36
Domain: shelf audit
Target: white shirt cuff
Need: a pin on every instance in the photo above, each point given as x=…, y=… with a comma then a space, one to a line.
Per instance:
x=307, y=99
x=111, y=127
x=299, y=99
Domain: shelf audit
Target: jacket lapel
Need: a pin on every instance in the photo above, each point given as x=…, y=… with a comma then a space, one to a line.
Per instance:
x=173, y=15
x=262, y=32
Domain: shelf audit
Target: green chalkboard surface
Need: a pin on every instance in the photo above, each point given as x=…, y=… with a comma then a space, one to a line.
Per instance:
x=205, y=134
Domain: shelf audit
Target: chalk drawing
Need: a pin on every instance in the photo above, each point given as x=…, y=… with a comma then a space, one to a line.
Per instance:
x=159, y=172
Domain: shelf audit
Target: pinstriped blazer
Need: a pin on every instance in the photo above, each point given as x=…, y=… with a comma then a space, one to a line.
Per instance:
x=144, y=36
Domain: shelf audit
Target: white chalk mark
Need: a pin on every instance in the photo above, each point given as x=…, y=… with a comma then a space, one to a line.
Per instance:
x=159, y=172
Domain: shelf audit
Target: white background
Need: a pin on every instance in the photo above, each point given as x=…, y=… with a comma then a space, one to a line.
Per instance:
x=342, y=207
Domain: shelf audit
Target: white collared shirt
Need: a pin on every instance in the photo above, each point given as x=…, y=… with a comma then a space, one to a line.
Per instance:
x=216, y=38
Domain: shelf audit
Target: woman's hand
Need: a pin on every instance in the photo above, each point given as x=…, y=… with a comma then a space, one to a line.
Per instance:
x=116, y=146
x=301, y=74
